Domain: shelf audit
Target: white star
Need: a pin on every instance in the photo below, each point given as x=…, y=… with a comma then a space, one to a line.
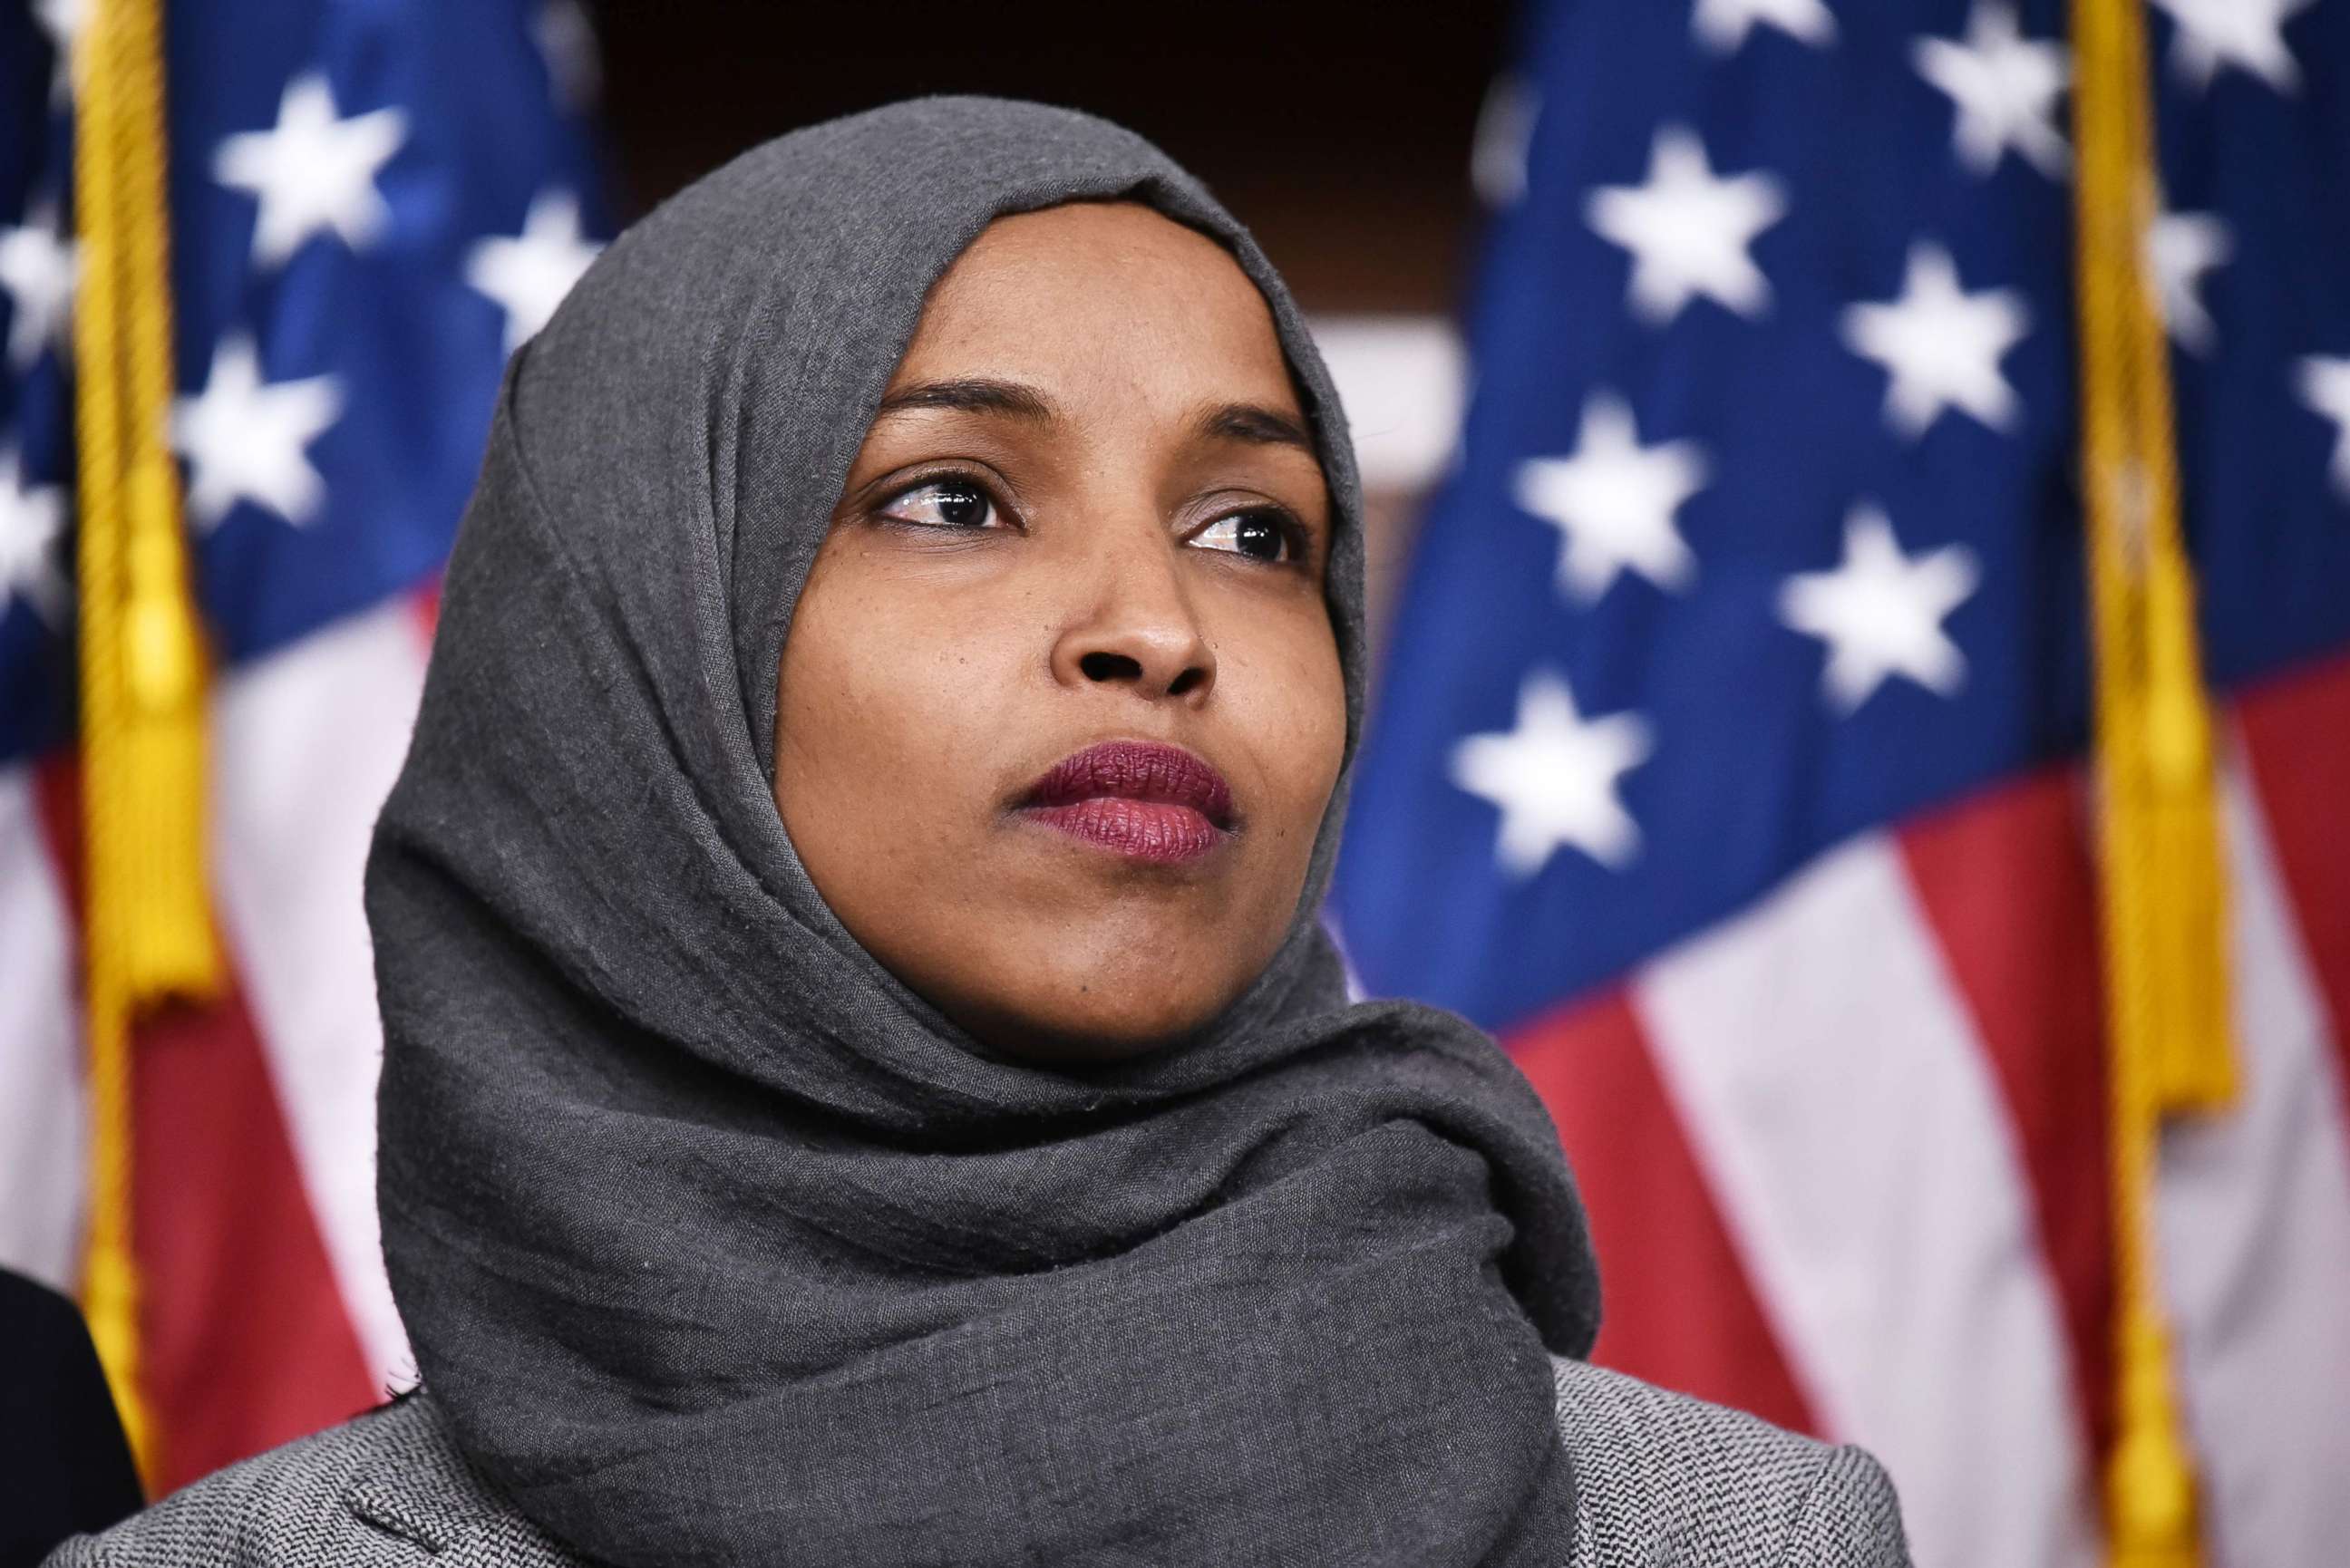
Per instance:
x=1722, y=26
x=529, y=276
x=1940, y=347
x=313, y=171
x=2325, y=385
x=566, y=42
x=2004, y=90
x=38, y=268
x=1880, y=612
x=1553, y=777
x=1613, y=501
x=245, y=441
x=1688, y=232
x=2248, y=34
x=64, y=21
x=2180, y=249
x=31, y=519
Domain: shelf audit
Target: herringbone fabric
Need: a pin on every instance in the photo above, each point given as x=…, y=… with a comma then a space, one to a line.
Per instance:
x=1661, y=1480
x=1666, y=1481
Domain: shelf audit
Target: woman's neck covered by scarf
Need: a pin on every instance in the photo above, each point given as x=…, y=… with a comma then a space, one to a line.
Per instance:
x=720, y=1246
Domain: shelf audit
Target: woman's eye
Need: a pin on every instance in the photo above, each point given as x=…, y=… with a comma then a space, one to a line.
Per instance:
x=1261, y=535
x=942, y=504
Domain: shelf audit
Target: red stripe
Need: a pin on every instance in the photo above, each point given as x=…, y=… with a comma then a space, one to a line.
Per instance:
x=426, y=604
x=1680, y=1311
x=245, y=1341
x=2007, y=884
x=2296, y=736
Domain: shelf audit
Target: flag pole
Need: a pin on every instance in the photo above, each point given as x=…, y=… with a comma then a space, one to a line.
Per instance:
x=148, y=925
x=2162, y=898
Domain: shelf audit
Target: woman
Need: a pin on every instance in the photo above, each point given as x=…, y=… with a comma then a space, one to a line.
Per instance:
x=864, y=1081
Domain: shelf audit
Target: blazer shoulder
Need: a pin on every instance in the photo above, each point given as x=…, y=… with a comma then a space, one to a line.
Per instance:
x=384, y=1489
x=1664, y=1479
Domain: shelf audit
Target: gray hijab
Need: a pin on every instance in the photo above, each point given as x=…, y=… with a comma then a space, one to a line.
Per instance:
x=716, y=1243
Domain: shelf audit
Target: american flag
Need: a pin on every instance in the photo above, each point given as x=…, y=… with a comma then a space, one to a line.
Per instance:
x=370, y=205
x=1729, y=761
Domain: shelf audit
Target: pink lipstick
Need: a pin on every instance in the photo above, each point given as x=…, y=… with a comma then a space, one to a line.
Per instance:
x=1140, y=799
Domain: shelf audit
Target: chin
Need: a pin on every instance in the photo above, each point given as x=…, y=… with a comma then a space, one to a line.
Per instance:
x=1100, y=1018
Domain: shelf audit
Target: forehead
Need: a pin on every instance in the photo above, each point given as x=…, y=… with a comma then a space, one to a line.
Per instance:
x=1091, y=295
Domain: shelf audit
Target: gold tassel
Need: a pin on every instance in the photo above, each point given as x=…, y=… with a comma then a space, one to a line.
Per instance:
x=2162, y=898
x=148, y=932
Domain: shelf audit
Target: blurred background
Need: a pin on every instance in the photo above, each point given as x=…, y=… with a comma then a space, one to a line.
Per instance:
x=1860, y=534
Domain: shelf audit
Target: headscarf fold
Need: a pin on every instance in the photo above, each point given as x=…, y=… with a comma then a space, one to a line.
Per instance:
x=716, y=1243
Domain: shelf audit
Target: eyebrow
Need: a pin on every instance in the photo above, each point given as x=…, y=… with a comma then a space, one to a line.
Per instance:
x=1251, y=422
x=1256, y=424
x=970, y=397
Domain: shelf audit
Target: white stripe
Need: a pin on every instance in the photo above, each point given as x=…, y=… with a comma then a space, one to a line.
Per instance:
x=2255, y=1221
x=1833, y=1090
x=43, y=1113
x=308, y=741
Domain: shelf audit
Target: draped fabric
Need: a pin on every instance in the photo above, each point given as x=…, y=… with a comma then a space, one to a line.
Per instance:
x=718, y=1244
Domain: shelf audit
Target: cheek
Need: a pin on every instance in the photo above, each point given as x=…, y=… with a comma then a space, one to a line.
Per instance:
x=1290, y=695
x=869, y=689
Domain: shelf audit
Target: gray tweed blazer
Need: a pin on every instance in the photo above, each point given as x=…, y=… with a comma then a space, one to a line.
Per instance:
x=1661, y=1482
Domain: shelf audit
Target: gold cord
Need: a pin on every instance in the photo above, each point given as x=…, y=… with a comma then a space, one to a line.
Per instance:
x=148, y=924
x=2162, y=895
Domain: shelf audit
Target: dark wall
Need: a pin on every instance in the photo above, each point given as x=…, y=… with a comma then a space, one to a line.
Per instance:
x=1340, y=133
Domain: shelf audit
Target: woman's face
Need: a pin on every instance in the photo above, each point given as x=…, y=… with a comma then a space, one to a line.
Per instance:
x=1061, y=706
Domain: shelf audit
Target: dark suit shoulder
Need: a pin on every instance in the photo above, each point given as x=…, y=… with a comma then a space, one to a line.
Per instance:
x=1661, y=1478
x=61, y=1446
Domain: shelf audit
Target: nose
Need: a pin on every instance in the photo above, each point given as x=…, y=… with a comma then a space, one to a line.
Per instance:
x=1138, y=630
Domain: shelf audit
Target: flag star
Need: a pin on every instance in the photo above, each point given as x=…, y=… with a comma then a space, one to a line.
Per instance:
x=64, y=21
x=37, y=268
x=1688, y=232
x=2247, y=34
x=1554, y=778
x=2180, y=249
x=1613, y=503
x=2003, y=88
x=247, y=442
x=313, y=171
x=2326, y=388
x=1942, y=346
x=32, y=519
x=530, y=275
x=566, y=42
x=1722, y=26
x=1880, y=612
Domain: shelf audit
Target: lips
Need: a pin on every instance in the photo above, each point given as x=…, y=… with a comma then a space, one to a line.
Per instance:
x=1139, y=799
